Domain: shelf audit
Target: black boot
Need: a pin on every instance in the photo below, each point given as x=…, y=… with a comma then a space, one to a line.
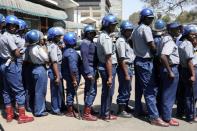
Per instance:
x=129, y=109
x=122, y=112
x=94, y=112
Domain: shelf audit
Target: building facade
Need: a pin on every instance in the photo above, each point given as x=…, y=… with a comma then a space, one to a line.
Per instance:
x=116, y=8
x=91, y=11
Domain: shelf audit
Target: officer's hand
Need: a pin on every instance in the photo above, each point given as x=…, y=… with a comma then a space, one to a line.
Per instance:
x=75, y=84
x=171, y=75
x=127, y=78
x=109, y=82
x=57, y=81
x=192, y=79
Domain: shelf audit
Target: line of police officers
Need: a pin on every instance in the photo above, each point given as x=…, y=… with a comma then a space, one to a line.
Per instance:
x=164, y=62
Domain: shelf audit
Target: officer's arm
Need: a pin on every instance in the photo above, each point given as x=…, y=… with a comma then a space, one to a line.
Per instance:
x=121, y=51
x=84, y=54
x=164, y=60
x=149, y=39
x=124, y=67
x=152, y=47
x=191, y=69
x=109, y=66
x=56, y=70
x=189, y=54
x=72, y=62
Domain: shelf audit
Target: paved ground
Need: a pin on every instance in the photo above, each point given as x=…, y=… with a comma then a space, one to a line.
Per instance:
x=63, y=123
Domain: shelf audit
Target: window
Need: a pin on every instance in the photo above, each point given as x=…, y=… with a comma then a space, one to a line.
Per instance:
x=96, y=8
x=96, y=14
x=85, y=14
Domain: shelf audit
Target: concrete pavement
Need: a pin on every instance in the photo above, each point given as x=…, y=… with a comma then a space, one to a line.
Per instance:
x=63, y=123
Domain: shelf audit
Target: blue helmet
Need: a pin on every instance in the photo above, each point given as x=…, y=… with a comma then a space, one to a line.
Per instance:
x=55, y=31
x=2, y=18
x=49, y=33
x=70, y=38
x=22, y=24
x=146, y=13
x=32, y=36
x=11, y=19
x=160, y=25
x=109, y=19
x=188, y=29
x=173, y=25
x=126, y=25
x=89, y=28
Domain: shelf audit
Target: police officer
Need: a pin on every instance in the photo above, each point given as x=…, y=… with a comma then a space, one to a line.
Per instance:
x=187, y=72
x=88, y=54
x=175, y=29
x=9, y=69
x=71, y=71
x=38, y=57
x=159, y=31
x=144, y=48
x=124, y=70
x=169, y=55
x=107, y=56
x=20, y=41
x=55, y=56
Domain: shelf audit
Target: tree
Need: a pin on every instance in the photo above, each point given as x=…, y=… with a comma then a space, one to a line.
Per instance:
x=187, y=17
x=134, y=18
x=166, y=18
x=168, y=5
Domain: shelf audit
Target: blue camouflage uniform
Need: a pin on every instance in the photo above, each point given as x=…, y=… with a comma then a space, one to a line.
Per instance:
x=88, y=54
x=70, y=66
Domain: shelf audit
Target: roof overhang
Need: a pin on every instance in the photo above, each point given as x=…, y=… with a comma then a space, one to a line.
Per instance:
x=65, y=4
x=34, y=9
x=88, y=20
